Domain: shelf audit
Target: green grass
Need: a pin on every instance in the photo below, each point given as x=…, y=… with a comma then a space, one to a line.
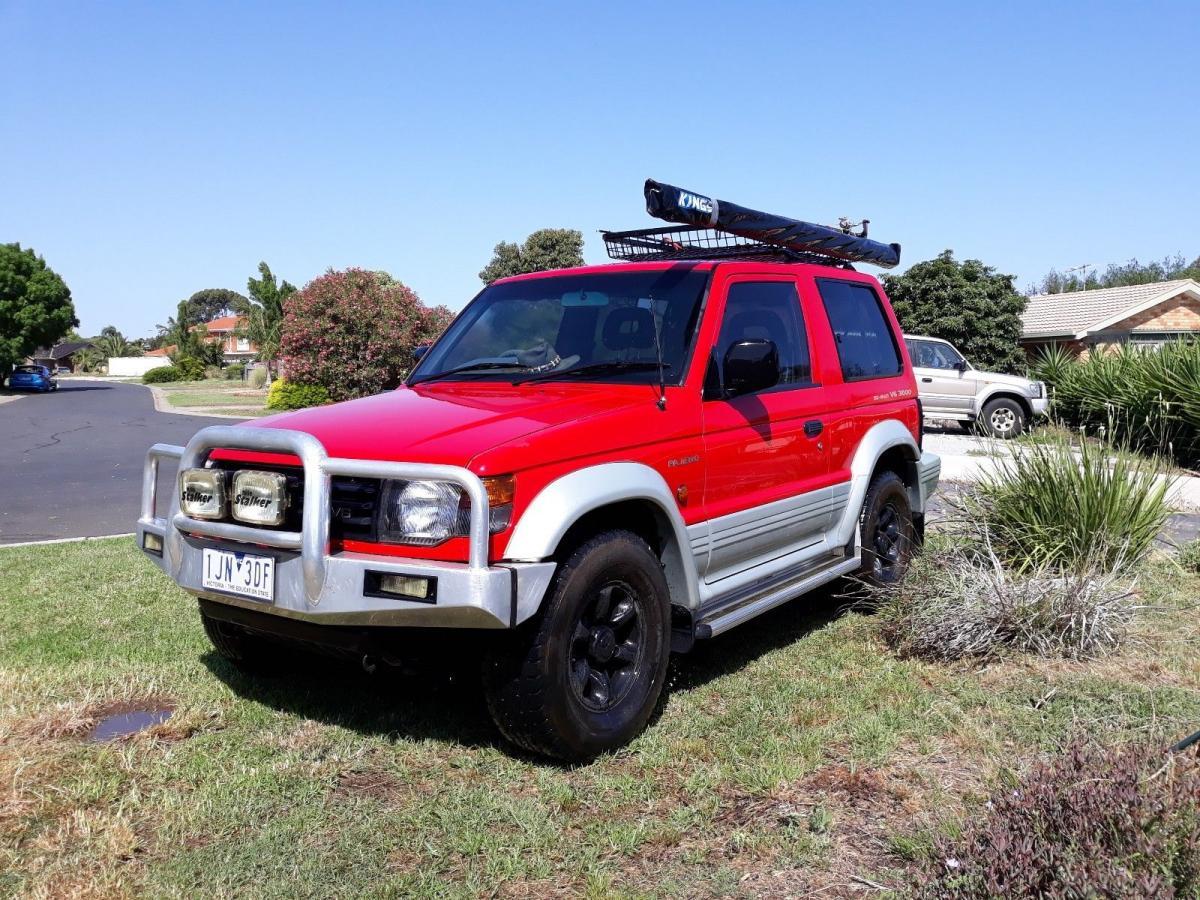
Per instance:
x=789, y=755
x=246, y=412
x=217, y=398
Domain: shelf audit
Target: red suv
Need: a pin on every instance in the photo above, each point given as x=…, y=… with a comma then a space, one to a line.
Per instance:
x=598, y=465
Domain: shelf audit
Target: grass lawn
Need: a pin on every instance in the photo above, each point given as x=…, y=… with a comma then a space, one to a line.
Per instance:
x=790, y=755
x=252, y=399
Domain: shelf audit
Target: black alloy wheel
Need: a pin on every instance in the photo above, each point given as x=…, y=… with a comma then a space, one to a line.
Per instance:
x=887, y=533
x=583, y=676
x=607, y=651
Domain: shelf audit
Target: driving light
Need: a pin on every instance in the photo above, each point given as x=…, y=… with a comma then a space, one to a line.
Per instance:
x=259, y=498
x=152, y=543
x=202, y=493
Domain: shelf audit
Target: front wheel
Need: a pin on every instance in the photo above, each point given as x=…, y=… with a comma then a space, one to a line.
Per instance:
x=1003, y=418
x=583, y=677
x=886, y=530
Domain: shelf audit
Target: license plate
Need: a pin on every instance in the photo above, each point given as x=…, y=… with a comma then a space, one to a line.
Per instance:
x=240, y=573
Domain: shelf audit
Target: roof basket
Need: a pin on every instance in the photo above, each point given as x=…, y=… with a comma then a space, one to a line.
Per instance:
x=717, y=229
x=683, y=242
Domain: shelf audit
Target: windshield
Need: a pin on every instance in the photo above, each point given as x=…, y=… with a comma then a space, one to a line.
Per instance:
x=28, y=370
x=595, y=327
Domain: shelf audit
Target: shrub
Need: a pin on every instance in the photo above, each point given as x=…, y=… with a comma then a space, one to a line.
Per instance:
x=1050, y=505
x=234, y=371
x=962, y=602
x=292, y=395
x=161, y=375
x=189, y=367
x=1091, y=823
x=258, y=377
x=353, y=332
x=1189, y=556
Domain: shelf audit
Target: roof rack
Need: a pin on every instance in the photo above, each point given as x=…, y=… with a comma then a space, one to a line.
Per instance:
x=696, y=242
x=716, y=229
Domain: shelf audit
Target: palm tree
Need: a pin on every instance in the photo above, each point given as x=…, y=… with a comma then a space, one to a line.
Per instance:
x=263, y=312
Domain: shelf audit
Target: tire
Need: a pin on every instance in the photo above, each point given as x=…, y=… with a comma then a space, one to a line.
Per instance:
x=1003, y=418
x=245, y=651
x=886, y=531
x=584, y=675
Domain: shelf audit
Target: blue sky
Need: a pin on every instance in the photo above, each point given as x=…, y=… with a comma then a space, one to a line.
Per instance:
x=150, y=150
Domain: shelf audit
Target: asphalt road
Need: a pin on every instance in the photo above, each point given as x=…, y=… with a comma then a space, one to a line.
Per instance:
x=71, y=461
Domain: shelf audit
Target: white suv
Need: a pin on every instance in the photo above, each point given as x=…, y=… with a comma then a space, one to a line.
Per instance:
x=951, y=388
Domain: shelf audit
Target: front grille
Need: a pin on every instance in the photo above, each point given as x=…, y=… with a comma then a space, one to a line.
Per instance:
x=353, y=507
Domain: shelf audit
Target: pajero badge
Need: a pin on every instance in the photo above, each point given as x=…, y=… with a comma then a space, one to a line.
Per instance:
x=259, y=498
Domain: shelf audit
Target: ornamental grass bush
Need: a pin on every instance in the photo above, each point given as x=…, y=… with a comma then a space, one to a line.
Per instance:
x=293, y=395
x=1189, y=557
x=1051, y=505
x=354, y=332
x=1146, y=399
x=1092, y=822
x=962, y=602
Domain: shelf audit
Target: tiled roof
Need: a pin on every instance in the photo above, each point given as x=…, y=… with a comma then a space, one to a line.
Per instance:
x=224, y=323
x=1080, y=311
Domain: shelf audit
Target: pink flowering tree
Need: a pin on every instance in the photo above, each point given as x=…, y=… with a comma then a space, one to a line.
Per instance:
x=353, y=332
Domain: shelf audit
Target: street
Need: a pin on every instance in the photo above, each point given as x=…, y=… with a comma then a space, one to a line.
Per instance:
x=71, y=461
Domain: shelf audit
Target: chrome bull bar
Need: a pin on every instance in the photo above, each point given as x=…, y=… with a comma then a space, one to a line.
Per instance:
x=312, y=541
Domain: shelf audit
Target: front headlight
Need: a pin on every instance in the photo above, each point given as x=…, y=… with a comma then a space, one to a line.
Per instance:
x=1039, y=389
x=431, y=512
x=202, y=493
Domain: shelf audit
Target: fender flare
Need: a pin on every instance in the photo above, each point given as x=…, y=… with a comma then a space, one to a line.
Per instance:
x=561, y=504
x=881, y=437
x=1005, y=390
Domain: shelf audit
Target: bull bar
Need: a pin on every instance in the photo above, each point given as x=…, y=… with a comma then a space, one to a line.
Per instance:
x=312, y=583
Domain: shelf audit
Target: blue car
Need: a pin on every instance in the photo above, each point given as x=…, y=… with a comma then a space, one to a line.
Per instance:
x=32, y=378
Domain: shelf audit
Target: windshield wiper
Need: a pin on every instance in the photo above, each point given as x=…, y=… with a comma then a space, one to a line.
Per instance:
x=600, y=368
x=470, y=367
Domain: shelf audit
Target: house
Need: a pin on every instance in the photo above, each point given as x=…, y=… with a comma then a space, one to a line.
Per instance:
x=234, y=347
x=1143, y=315
x=59, y=356
x=223, y=330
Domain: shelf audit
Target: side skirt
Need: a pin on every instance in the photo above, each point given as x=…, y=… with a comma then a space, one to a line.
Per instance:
x=729, y=612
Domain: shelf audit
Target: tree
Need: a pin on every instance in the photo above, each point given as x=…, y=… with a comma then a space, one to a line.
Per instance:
x=1133, y=272
x=211, y=303
x=108, y=343
x=189, y=337
x=354, y=332
x=967, y=303
x=35, y=305
x=549, y=248
x=263, y=310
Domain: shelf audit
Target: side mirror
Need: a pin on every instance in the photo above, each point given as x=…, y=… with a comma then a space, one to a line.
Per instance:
x=750, y=366
x=961, y=365
x=419, y=352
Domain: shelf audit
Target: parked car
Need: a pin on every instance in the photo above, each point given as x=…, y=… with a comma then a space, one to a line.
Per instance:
x=591, y=468
x=62, y=370
x=952, y=389
x=32, y=378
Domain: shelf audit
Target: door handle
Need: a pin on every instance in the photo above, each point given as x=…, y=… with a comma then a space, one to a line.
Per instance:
x=813, y=427
x=927, y=380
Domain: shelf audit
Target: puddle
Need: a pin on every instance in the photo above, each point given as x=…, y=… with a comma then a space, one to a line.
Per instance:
x=119, y=723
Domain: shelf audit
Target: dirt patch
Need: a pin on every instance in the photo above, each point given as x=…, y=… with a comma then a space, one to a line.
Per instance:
x=371, y=784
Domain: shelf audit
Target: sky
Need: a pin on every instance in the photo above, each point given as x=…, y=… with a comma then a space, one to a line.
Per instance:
x=151, y=150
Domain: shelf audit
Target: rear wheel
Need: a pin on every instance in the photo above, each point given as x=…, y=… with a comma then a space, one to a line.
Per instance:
x=1003, y=418
x=886, y=530
x=583, y=676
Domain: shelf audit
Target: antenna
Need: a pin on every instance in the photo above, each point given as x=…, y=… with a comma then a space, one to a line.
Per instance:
x=1082, y=278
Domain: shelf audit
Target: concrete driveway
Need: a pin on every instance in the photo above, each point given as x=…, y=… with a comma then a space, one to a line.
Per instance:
x=71, y=461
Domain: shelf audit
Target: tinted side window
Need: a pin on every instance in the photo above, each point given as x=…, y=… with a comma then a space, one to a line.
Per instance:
x=768, y=310
x=865, y=343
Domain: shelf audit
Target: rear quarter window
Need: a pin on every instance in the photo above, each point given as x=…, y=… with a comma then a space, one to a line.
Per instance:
x=865, y=343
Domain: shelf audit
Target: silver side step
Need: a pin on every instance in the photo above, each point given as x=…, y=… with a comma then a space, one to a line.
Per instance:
x=733, y=611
